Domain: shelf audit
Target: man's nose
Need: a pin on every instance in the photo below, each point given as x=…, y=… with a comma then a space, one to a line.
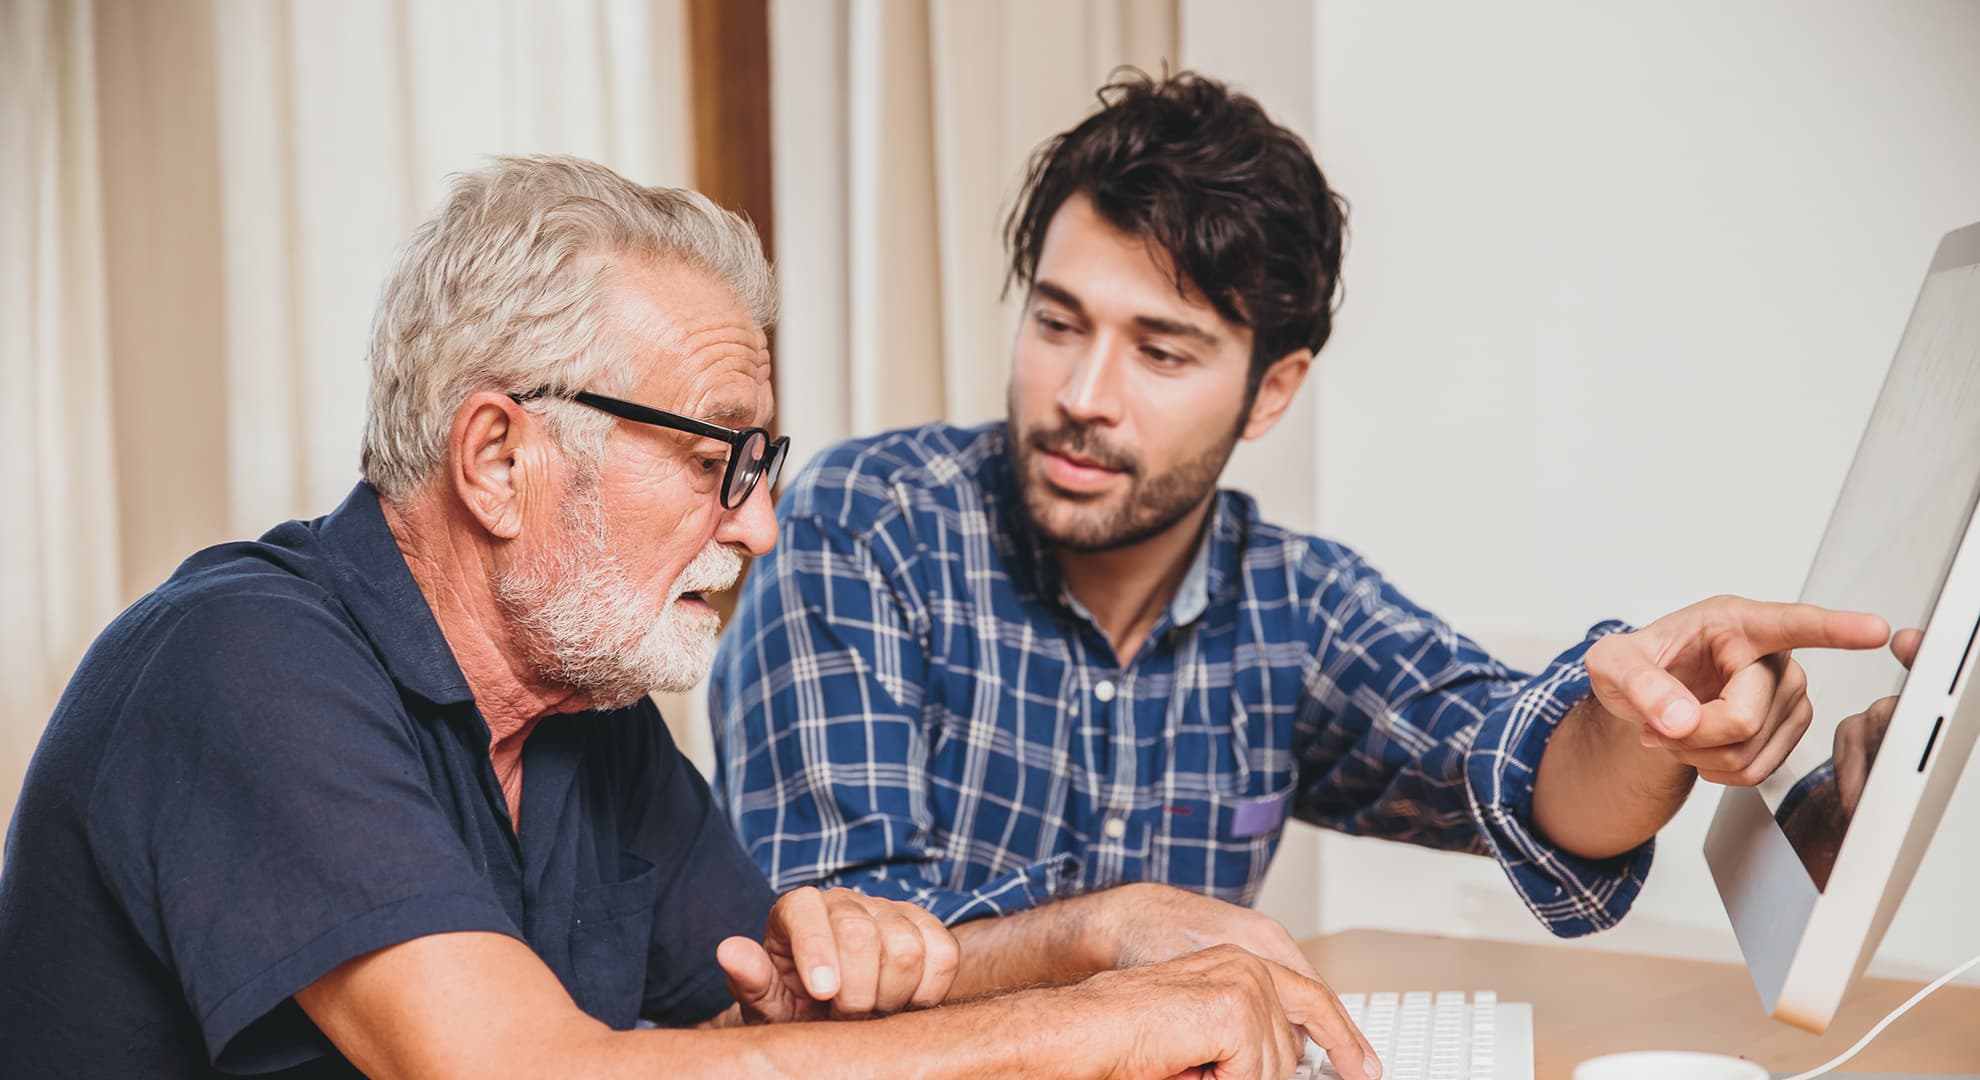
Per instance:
x=751, y=526
x=1092, y=393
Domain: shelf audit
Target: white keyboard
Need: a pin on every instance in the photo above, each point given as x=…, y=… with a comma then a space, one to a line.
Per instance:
x=1441, y=1036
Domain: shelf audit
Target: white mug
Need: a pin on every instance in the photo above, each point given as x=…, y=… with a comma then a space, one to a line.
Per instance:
x=1668, y=1065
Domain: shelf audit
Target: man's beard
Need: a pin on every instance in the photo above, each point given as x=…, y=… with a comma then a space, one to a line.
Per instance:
x=1150, y=506
x=582, y=623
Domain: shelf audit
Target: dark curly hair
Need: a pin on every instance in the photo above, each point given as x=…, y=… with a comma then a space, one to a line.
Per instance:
x=1235, y=200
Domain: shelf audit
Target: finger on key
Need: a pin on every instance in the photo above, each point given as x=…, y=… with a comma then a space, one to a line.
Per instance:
x=1313, y=1005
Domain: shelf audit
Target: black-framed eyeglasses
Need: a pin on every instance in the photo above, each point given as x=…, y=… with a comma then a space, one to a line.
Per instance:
x=753, y=455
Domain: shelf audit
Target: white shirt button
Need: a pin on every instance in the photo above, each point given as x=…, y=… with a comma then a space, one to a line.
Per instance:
x=1115, y=827
x=1104, y=690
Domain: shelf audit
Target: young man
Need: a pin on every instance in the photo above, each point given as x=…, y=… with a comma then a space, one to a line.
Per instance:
x=995, y=667
x=382, y=793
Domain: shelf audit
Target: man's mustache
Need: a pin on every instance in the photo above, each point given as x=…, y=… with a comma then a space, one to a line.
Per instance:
x=715, y=569
x=1079, y=440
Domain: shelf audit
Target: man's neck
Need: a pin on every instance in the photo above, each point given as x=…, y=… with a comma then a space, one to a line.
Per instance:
x=1127, y=589
x=453, y=574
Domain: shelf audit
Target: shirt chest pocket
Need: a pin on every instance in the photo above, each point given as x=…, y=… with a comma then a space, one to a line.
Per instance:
x=611, y=930
x=1218, y=818
x=1231, y=781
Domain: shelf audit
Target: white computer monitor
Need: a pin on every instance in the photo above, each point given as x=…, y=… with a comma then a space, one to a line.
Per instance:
x=1812, y=863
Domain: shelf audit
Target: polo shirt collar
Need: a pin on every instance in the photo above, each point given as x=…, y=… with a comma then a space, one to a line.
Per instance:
x=376, y=586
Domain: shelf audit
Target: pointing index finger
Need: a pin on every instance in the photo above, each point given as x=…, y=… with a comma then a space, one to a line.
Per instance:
x=1772, y=628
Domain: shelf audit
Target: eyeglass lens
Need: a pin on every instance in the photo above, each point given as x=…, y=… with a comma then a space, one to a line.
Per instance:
x=749, y=465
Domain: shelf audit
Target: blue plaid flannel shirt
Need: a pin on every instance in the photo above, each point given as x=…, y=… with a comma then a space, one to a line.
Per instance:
x=908, y=702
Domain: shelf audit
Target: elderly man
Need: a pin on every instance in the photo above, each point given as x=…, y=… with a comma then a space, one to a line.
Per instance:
x=382, y=792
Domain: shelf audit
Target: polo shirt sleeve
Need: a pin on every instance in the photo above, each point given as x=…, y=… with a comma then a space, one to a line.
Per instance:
x=1413, y=732
x=262, y=816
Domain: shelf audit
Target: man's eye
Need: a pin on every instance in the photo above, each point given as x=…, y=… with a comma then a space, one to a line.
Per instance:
x=1162, y=358
x=712, y=465
x=1053, y=326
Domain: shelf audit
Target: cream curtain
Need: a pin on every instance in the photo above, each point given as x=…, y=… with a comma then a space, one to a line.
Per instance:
x=59, y=576
x=202, y=199
x=901, y=129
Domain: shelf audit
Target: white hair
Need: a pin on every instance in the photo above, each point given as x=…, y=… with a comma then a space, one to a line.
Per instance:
x=499, y=291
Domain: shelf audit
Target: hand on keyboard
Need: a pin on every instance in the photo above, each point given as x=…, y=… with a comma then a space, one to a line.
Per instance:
x=1424, y=1037
x=1224, y=1007
x=1146, y=922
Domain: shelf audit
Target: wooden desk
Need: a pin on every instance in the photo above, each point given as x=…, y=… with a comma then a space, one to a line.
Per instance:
x=1587, y=1003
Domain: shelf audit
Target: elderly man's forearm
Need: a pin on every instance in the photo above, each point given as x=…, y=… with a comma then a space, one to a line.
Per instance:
x=1029, y=1033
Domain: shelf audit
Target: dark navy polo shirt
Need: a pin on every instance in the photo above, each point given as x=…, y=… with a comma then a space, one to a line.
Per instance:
x=272, y=764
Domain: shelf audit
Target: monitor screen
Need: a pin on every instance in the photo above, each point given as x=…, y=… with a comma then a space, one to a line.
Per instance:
x=1899, y=520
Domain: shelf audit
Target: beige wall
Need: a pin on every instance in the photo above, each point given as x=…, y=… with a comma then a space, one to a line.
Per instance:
x=1625, y=280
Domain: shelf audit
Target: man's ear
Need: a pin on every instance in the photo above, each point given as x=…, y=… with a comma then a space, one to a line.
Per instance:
x=498, y=458
x=1275, y=391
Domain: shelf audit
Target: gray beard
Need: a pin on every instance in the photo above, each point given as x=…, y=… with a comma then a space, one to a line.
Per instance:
x=577, y=615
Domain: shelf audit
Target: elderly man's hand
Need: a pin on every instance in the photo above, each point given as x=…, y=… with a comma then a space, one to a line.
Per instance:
x=839, y=955
x=1223, y=1012
x=1714, y=683
x=1148, y=923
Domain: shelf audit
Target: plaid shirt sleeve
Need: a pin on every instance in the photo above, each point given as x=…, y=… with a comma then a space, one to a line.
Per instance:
x=1417, y=734
x=831, y=645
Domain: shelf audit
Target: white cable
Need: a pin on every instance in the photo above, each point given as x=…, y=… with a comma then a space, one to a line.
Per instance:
x=1886, y=1022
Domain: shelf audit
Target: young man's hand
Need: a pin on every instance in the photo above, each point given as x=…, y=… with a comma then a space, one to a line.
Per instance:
x=1714, y=684
x=839, y=955
x=1710, y=691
